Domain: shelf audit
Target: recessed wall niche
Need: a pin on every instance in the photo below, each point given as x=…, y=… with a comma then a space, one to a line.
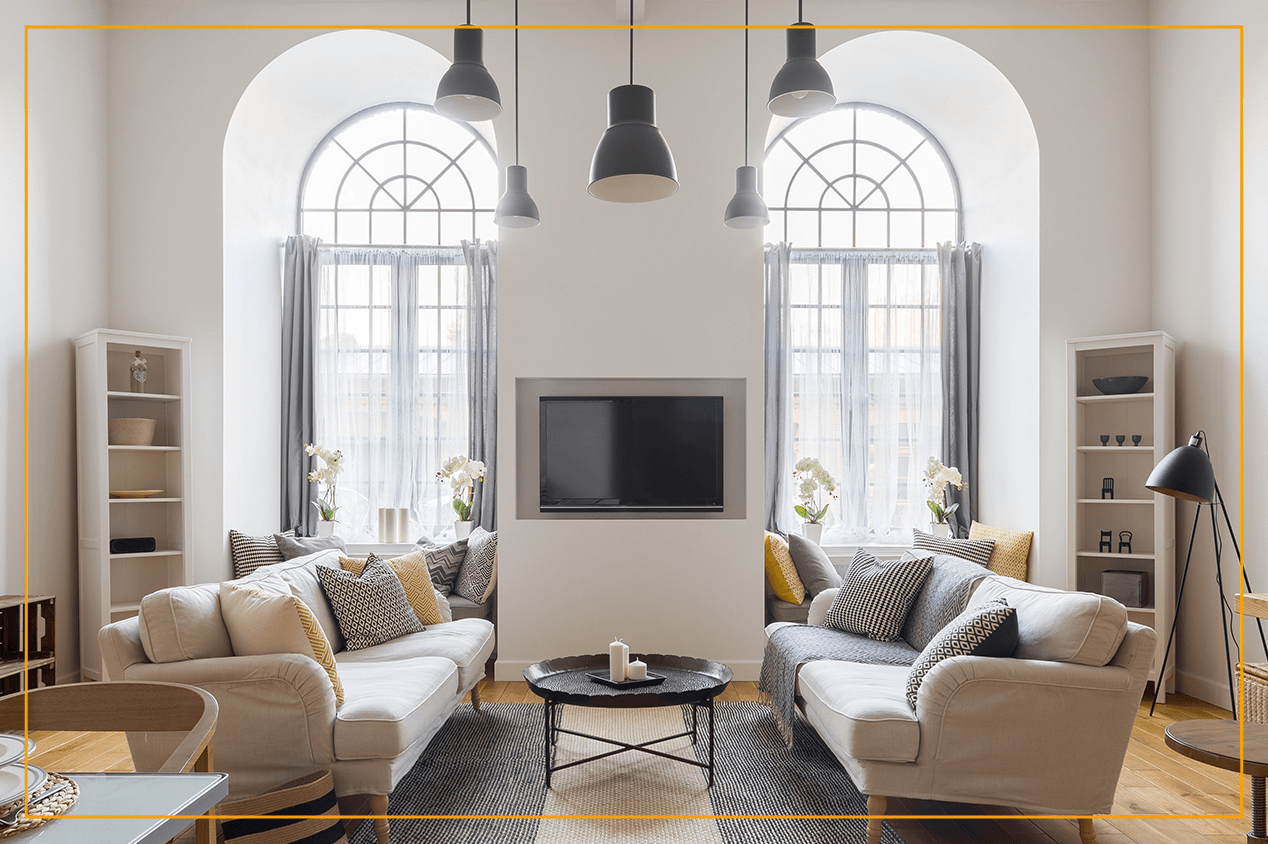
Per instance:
x=527, y=430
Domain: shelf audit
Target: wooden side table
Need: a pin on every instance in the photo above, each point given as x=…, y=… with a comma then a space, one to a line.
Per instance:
x=1218, y=743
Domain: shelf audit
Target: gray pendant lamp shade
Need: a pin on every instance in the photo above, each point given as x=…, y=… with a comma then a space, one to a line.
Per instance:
x=467, y=90
x=802, y=88
x=632, y=162
x=516, y=209
x=1185, y=473
x=747, y=209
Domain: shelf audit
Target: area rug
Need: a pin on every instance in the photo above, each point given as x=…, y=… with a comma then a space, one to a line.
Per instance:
x=491, y=763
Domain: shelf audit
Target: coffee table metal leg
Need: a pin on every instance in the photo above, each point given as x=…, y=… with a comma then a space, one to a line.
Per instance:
x=546, y=718
x=694, y=708
x=1258, y=811
x=710, y=742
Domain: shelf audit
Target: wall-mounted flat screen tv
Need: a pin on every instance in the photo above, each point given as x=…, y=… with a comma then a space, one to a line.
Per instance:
x=631, y=453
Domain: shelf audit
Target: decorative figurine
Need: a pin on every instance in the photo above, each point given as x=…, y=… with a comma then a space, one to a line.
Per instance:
x=1125, y=542
x=1119, y=439
x=1107, y=542
x=137, y=383
x=1104, y=439
x=1136, y=440
x=1107, y=488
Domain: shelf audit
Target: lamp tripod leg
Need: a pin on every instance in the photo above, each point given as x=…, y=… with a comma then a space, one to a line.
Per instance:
x=1184, y=577
x=1219, y=582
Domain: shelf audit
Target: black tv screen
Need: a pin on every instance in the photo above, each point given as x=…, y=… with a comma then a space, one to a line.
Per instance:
x=631, y=453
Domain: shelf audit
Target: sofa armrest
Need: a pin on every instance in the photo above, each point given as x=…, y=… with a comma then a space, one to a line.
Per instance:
x=121, y=647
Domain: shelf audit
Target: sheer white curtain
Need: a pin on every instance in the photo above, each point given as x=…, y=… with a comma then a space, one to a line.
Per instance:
x=864, y=349
x=392, y=380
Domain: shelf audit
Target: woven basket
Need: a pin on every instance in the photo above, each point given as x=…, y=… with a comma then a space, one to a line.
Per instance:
x=1255, y=692
x=131, y=431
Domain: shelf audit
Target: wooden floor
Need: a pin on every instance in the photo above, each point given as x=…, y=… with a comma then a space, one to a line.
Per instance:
x=1155, y=780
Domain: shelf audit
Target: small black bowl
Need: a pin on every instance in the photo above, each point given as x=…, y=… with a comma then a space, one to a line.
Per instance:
x=1120, y=385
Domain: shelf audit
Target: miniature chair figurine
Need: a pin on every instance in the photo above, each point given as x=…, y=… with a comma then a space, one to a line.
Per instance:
x=1107, y=488
x=1125, y=542
x=1107, y=542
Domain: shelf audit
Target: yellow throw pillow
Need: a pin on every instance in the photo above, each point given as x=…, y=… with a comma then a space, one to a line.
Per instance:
x=411, y=570
x=262, y=622
x=780, y=571
x=1012, y=548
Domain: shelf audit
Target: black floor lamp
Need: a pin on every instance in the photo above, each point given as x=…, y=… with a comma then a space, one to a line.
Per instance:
x=1186, y=473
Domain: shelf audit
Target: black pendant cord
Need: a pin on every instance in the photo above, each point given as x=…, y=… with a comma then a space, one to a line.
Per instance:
x=517, y=82
x=631, y=42
x=800, y=17
x=469, y=12
x=746, y=82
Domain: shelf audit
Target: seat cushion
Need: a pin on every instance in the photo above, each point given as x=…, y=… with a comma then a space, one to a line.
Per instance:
x=387, y=708
x=1078, y=627
x=465, y=642
x=862, y=708
x=781, y=610
x=462, y=607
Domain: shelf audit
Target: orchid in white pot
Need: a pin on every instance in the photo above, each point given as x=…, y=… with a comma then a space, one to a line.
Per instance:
x=937, y=478
x=812, y=478
x=462, y=475
x=332, y=465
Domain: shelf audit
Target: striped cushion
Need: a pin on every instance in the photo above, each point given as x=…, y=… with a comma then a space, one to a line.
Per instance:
x=877, y=594
x=371, y=608
x=311, y=797
x=989, y=629
x=251, y=552
x=975, y=550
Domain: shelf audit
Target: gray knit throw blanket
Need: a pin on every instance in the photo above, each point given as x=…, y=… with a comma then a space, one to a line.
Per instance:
x=790, y=647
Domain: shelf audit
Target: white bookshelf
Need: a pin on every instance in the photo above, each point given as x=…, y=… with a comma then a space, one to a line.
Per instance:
x=111, y=586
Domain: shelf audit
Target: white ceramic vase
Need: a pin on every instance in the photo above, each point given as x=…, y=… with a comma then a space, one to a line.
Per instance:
x=940, y=529
x=325, y=528
x=812, y=531
x=462, y=529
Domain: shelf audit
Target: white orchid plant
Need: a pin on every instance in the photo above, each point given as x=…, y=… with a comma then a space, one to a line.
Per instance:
x=462, y=475
x=811, y=478
x=332, y=465
x=937, y=478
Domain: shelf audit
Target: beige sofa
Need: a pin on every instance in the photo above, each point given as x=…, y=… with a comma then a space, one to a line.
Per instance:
x=278, y=714
x=1045, y=731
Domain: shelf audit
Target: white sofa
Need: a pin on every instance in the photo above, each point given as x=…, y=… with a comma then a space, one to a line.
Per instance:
x=1045, y=731
x=278, y=714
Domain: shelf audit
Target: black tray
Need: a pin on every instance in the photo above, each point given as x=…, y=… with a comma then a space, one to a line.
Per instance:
x=605, y=678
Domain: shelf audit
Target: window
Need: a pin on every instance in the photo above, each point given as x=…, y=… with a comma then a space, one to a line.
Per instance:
x=863, y=195
x=394, y=192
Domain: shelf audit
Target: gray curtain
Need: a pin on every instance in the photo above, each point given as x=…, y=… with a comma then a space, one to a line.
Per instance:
x=960, y=266
x=299, y=346
x=482, y=333
x=778, y=415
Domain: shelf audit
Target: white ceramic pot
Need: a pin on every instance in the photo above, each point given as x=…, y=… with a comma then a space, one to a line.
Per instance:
x=325, y=528
x=940, y=529
x=462, y=529
x=813, y=532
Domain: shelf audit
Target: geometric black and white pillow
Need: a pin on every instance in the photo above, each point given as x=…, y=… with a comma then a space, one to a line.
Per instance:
x=877, y=594
x=989, y=629
x=443, y=563
x=370, y=609
x=479, y=572
x=251, y=552
x=975, y=550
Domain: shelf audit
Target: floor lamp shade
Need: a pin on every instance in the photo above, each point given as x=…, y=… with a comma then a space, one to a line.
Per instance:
x=802, y=88
x=747, y=209
x=1185, y=473
x=516, y=209
x=467, y=90
x=632, y=162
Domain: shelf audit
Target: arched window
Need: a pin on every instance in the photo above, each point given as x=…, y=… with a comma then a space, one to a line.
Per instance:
x=400, y=198
x=862, y=194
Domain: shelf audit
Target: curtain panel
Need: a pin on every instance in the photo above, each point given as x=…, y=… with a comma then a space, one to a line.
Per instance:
x=299, y=322
x=960, y=268
x=482, y=375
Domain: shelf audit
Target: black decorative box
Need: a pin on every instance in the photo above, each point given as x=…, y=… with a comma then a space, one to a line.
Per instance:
x=606, y=679
x=1129, y=588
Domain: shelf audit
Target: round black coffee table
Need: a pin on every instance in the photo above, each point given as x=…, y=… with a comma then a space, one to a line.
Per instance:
x=688, y=680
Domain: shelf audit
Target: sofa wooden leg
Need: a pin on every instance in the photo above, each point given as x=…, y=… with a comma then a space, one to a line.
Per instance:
x=875, y=811
x=378, y=806
x=475, y=696
x=1087, y=833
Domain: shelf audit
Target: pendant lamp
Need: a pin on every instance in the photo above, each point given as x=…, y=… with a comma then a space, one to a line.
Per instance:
x=802, y=88
x=467, y=90
x=747, y=209
x=632, y=162
x=516, y=209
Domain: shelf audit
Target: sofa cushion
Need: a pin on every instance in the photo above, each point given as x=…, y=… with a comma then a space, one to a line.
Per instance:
x=781, y=574
x=460, y=607
x=861, y=709
x=976, y=550
x=943, y=597
x=183, y=623
x=371, y=607
x=411, y=571
x=877, y=594
x=443, y=562
x=385, y=712
x=479, y=573
x=813, y=566
x=298, y=577
x=989, y=629
x=465, y=642
x=1012, y=548
x=1078, y=627
x=783, y=611
x=293, y=546
x=251, y=552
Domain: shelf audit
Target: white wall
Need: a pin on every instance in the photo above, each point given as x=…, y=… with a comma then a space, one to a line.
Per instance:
x=66, y=273
x=1196, y=241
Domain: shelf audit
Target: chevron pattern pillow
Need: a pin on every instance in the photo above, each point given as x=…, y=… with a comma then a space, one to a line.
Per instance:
x=479, y=572
x=444, y=562
x=370, y=609
x=989, y=629
x=975, y=550
x=877, y=594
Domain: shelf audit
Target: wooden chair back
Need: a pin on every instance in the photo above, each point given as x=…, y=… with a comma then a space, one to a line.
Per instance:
x=135, y=706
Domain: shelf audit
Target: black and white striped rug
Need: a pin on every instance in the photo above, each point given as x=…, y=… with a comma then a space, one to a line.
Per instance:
x=491, y=763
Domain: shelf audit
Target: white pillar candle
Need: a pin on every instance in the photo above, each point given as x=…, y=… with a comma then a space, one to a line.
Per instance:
x=637, y=670
x=618, y=659
x=387, y=527
x=402, y=524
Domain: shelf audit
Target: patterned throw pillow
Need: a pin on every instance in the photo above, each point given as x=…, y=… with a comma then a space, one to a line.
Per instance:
x=989, y=629
x=1012, y=548
x=479, y=573
x=781, y=572
x=370, y=609
x=444, y=562
x=877, y=594
x=251, y=552
x=411, y=570
x=976, y=550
